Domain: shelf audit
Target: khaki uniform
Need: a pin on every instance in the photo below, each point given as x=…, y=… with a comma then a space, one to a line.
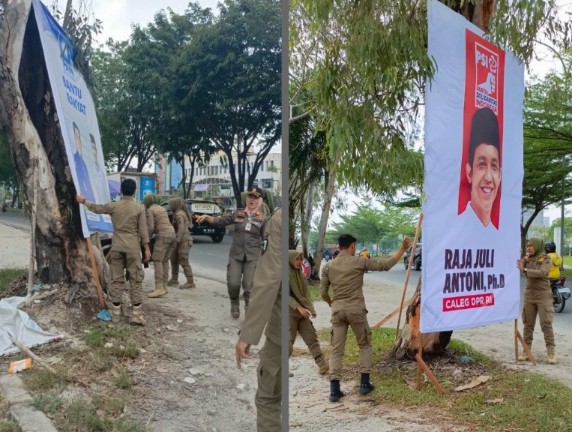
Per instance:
x=244, y=251
x=183, y=244
x=345, y=276
x=130, y=232
x=158, y=224
x=266, y=308
x=538, y=300
x=300, y=297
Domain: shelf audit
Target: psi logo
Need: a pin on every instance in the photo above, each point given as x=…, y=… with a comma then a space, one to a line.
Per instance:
x=487, y=67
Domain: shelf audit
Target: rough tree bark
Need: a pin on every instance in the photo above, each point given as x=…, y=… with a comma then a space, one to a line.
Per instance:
x=28, y=116
x=406, y=345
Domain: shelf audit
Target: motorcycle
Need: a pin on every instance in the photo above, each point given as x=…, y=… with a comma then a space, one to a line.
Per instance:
x=560, y=294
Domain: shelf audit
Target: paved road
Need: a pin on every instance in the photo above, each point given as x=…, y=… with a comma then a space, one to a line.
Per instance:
x=208, y=259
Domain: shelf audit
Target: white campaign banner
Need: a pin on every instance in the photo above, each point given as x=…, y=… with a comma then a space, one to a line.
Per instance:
x=78, y=121
x=473, y=178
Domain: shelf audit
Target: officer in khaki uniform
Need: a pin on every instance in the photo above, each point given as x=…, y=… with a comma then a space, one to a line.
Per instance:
x=245, y=248
x=182, y=219
x=345, y=276
x=538, y=300
x=300, y=310
x=158, y=224
x=266, y=308
x=130, y=231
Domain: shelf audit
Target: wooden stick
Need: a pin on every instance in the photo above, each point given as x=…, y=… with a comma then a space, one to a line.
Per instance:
x=526, y=348
x=408, y=272
x=429, y=374
x=94, y=271
x=420, y=354
x=393, y=313
x=29, y=353
x=515, y=340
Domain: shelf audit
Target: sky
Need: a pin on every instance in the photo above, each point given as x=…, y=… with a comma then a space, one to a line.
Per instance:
x=118, y=16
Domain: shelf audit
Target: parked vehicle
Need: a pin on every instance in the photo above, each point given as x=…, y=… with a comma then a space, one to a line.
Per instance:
x=560, y=294
x=198, y=207
x=416, y=259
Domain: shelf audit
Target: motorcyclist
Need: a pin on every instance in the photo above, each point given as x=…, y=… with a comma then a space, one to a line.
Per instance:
x=554, y=274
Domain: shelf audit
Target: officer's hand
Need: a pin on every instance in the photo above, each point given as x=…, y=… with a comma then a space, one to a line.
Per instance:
x=147, y=257
x=242, y=350
x=304, y=312
x=520, y=265
x=406, y=243
x=80, y=199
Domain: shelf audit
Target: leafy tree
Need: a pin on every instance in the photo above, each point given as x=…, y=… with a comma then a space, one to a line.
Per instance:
x=230, y=84
x=547, y=144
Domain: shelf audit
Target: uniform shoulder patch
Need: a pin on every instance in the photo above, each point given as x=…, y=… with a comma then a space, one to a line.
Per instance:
x=264, y=244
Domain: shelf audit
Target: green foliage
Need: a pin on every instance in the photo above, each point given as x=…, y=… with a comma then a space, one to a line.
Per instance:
x=8, y=275
x=9, y=426
x=369, y=224
x=547, y=142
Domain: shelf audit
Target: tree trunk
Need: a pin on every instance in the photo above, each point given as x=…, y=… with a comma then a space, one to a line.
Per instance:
x=306, y=220
x=328, y=196
x=407, y=345
x=27, y=113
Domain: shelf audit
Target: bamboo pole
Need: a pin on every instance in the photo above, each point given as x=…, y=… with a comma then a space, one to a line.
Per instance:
x=95, y=273
x=393, y=313
x=29, y=353
x=515, y=340
x=411, y=256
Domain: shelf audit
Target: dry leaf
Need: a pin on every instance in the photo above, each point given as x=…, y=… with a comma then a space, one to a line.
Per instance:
x=476, y=382
x=495, y=401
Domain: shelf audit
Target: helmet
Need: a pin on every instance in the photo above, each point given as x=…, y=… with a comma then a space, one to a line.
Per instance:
x=550, y=247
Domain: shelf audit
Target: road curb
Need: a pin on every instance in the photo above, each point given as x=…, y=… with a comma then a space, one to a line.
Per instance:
x=29, y=418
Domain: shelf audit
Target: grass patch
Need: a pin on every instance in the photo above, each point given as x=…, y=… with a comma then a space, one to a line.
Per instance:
x=38, y=379
x=123, y=380
x=8, y=275
x=95, y=415
x=314, y=290
x=122, y=346
x=9, y=426
x=510, y=400
x=48, y=403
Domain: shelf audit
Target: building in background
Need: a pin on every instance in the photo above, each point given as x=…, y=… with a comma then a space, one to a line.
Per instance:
x=213, y=180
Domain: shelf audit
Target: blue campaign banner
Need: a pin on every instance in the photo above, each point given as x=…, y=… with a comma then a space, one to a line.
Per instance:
x=78, y=120
x=146, y=187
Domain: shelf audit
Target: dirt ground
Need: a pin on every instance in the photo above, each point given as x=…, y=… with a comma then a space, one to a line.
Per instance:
x=185, y=377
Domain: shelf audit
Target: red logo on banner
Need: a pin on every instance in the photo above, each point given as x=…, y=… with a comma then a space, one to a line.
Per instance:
x=306, y=268
x=486, y=72
x=484, y=87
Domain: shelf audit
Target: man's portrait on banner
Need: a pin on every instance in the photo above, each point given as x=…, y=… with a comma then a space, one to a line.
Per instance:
x=482, y=171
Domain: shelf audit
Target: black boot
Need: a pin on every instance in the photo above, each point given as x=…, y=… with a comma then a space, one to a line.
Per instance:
x=335, y=392
x=365, y=386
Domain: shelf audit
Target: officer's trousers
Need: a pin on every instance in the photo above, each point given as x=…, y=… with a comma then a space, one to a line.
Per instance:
x=357, y=320
x=542, y=306
x=180, y=256
x=239, y=272
x=269, y=393
x=304, y=326
x=121, y=261
x=162, y=251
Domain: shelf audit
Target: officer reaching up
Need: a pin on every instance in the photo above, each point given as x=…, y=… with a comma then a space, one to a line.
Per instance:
x=345, y=276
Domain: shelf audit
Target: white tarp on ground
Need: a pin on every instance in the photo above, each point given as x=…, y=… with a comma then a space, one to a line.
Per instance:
x=19, y=325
